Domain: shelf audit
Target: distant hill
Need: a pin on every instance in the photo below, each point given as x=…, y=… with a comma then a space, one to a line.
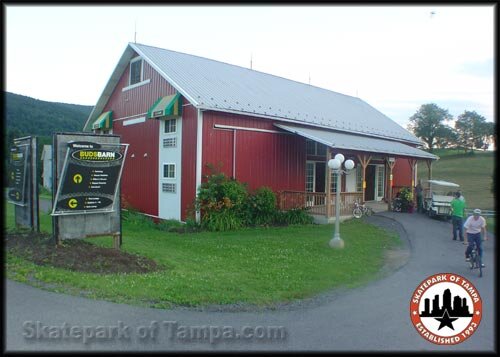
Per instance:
x=29, y=116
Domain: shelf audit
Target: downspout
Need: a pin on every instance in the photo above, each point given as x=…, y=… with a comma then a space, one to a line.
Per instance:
x=199, y=150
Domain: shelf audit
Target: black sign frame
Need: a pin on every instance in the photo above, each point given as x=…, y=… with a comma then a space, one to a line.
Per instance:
x=82, y=196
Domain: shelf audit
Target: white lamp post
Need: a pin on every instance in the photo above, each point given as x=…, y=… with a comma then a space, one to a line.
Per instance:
x=336, y=165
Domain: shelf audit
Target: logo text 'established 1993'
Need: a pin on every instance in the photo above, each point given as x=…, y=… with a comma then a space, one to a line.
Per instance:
x=446, y=309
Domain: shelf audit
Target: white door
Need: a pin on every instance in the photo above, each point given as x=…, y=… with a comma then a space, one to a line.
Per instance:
x=379, y=182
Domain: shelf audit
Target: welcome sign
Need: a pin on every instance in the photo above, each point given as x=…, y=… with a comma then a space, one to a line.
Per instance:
x=90, y=177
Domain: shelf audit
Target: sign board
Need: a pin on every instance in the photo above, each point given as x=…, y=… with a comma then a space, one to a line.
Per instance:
x=90, y=178
x=22, y=179
x=86, y=178
x=18, y=169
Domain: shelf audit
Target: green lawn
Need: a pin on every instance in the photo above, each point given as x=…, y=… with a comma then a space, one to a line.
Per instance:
x=257, y=266
x=472, y=172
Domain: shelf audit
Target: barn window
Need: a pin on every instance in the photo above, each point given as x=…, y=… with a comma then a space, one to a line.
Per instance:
x=314, y=148
x=168, y=170
x=135, y=71
x=170, y=125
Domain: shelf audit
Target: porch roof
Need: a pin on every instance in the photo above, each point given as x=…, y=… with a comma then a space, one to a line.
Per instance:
x=338, y=140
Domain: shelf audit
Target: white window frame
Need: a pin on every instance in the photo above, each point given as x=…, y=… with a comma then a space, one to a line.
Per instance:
x=142, y=81
x=165, y=126
x=141, y=77
x=313, y=163
x=175, y=171
x=379, y=169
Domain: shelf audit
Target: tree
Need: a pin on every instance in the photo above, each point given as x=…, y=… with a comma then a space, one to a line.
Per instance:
x=490, y=133
x=427, y=124
x=472, y=130
x=446, y=137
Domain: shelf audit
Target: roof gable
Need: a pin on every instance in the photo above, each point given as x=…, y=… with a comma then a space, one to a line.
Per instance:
x=214, y=85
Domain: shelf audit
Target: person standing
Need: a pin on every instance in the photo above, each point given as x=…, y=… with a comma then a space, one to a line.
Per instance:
x=475, y=225
x=419, y=191
x=461, y=196
x=457, y=216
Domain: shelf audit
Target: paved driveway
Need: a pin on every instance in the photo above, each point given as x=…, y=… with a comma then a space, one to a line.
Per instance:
x=374, y=317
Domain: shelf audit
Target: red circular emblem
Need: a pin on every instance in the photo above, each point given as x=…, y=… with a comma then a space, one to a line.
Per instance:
x=446, y=309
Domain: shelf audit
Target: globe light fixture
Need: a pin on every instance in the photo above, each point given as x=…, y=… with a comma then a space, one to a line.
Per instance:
x=336, y=165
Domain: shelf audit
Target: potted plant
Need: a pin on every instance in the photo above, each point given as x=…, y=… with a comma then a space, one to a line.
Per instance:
x=406, y=196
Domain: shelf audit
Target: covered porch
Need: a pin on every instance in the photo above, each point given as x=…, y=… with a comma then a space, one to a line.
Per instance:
x=371, y=181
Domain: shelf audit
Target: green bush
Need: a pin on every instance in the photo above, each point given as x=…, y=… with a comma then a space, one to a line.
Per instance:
x=261, y=207
x=406, y=196
x=222, y=201
x=293, y=216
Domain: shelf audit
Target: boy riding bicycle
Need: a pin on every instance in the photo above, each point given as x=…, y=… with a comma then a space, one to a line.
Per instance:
x=474, y=226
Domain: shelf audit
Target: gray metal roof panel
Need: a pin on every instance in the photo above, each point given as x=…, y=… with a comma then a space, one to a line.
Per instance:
x=215, y=85
x=345, y=141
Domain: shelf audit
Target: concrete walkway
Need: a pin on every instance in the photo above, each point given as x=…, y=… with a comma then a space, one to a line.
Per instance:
x=374, y=317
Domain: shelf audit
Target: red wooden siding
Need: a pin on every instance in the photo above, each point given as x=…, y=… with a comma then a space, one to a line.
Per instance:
x=262, y=159
x=188, y=184
x=402, y=173
x=140, y=173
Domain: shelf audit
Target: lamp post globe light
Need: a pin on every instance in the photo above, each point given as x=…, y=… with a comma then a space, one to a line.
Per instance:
x=336, y=165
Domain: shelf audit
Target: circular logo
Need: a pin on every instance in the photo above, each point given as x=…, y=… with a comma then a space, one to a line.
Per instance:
x=446, y=309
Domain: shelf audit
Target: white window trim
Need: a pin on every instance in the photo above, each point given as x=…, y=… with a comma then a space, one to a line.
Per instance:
x=313, y=175
x=134, y=121
x=124, y=89
x=132, y=61
x=165, y=127
x=163, y=171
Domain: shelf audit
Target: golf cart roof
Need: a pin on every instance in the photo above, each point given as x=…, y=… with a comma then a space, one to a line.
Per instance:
x=443, y=183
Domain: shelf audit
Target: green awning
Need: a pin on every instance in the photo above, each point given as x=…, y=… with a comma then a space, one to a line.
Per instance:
x=168, y=106
x=105, y=121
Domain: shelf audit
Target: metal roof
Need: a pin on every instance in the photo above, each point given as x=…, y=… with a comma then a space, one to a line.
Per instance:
x=345, y=141
x=214, y=85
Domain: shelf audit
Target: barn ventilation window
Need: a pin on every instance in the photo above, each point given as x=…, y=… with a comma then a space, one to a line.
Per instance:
x=170, y=142
x=135, y=71
x=168, y=187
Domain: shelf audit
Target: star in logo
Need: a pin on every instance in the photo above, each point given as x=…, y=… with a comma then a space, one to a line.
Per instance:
x=446, y=320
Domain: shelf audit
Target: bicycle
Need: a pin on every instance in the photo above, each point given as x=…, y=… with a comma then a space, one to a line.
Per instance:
x=476, y=261
x=397, y=204
x=360, y=210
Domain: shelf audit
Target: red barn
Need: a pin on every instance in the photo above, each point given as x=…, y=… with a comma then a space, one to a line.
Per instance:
x=180, y=113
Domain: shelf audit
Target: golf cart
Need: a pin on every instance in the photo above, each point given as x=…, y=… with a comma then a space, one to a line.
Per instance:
x=437, y=198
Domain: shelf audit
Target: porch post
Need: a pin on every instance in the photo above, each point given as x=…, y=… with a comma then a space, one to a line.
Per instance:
x=391, y=162
x=412, y=163
x=364, y=161
x=429, y=170
x=328, y=184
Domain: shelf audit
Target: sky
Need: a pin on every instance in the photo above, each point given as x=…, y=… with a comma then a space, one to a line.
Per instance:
x=395, y=58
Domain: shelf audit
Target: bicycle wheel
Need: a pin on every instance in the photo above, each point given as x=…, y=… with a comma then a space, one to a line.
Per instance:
x=480, y=265
x=369, y=211
x=357, y=213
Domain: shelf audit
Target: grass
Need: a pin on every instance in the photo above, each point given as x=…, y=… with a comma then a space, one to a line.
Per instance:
x=259, y=266
x=472, y=172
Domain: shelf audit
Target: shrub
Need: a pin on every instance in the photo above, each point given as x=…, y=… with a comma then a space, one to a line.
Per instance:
x=294, y=216
x=261, y=207
x=406, y=196
x=221, y=201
